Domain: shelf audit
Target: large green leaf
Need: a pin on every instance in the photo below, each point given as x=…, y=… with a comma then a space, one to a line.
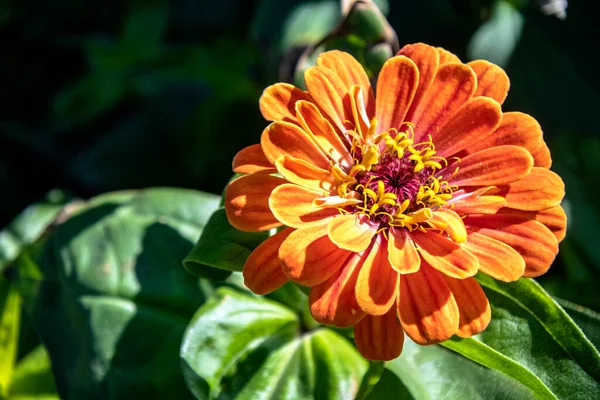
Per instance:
x=111, y=301
x=245, y=347
x=586, y=319
x=221, y=248
x=434, y=373
x=532, y=336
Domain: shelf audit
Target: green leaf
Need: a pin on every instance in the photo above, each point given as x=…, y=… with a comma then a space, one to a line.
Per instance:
x=238, y=346
x=33, y=378
x=434, y=373
x=586, y=319
x=89, y=97
x=490, y=358
x=28, y=226
x=496, y=39
x=112, y=287
x=529, y=328
x=144, y=29
x=310, y=22
x=221, y=248
x=10, y=319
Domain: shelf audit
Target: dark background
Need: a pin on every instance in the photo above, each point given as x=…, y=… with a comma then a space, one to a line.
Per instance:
x=105, y=95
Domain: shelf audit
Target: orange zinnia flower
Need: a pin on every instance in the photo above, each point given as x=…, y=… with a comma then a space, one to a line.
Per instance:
x=393, y=202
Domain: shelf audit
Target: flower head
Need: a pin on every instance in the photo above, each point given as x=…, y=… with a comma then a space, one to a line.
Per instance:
x=393, y=200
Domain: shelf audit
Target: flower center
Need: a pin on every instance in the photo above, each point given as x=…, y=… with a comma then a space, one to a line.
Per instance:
x=395, y=178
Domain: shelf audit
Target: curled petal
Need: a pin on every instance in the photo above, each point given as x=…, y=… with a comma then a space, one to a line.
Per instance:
x=496, y=259
x=474, y=121
x=350, y=72
x=532, y=240
x=330, y=94
x=262, y=271
x=308, y=257
x=351, y=232
x=445, y=255
x=377, y=283
x=286, y=139
x=293, y=206
x=247, y=202
x=453, y=85
x=333, y=302
x=449, y=222
x=473, y=306
x=304, y=174
x=277, y=102
x=251, y=159
x=379, y=337
x=553, y=218
x=323, y=133
x=427, y=309
x=402, y=252
x=396, y=88
x=492, y=81
x=494, y=166
x=477, y=202
x=427, y=60
x=539, y=190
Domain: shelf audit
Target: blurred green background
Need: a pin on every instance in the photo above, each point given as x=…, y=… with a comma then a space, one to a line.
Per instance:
x=105, y=95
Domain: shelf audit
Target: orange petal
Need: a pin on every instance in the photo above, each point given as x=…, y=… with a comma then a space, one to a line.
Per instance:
x=496, y=259
x=402, y=252
x=492, y=81
x=262, y=270
x=427, y=60
x=536, y=243
x=278, y=100
x=330, y=94
x=445, y=255
x=427, y=309
x=379, y=337
x=333, y=302
x=377, y=282
x=247, y=202
x=308, y=257
x=304, y=174
x=515, y=129
x=453, y=85
x=477, y=202
x=286, y=139
x=350, y=72
x=251, y=159
x=539, y=190
x=474, y=121
x=323, y=133
x=351, y=232
x=293, y=206
x=541, y=156
x=447, y=57
x=336, y=201
x=359, y=113
x=396, y=88
x=494, y=166
x=553, y=218
x=473, y=306
x=449, y=222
